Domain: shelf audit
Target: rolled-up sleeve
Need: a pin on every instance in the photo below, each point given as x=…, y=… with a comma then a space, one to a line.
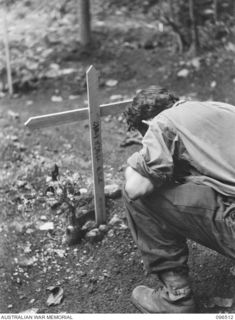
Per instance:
x=155, y=159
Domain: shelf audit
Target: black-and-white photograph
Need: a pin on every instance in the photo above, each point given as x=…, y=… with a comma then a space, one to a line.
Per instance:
x=117, y=158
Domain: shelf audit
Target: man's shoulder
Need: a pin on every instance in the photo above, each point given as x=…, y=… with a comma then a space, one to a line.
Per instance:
x=191, y=112
x=198, y=107
x=198, y=103
x=197, y=114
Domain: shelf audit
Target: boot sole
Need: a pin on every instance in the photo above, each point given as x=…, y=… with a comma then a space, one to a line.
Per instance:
x=138, y=306
x=143, y=310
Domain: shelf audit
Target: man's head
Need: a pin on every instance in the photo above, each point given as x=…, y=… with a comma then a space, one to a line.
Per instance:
x=146, y=105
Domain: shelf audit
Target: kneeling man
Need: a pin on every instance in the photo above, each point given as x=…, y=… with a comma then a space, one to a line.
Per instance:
x=179, y=186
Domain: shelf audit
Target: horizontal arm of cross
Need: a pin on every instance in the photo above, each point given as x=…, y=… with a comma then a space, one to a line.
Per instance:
x=58, y=118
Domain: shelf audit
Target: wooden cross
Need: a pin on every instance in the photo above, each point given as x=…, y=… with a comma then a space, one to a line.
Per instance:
x=93, y=113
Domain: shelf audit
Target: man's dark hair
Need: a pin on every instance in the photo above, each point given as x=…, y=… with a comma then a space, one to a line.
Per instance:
x=146, y=105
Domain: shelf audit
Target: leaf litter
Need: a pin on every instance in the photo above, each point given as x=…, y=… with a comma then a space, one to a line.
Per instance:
x=219, y=302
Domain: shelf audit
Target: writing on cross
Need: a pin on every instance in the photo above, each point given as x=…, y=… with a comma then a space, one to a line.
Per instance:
x=93, y=113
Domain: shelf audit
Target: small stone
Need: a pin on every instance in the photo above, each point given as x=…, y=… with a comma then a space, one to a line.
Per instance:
x=83, y=190
x=46, y=226
x=29, y=231
x=115, y=219
x=56, y=99
x=108, y=118
x=94, y=235
x=59, y=191
x=29, y=103
x=50, y=194
x=103, y=228
x=32, y=301
x=43, y=218
x=183, y=73
x=111, y=83
x=48, y=179
x=123, y=226
x=112, y=191
x=121, y=118
x=27, y=249
x=10, y=306
x=73, y=97
x=110, y=233
x=67, y=71
x=95, y=231
x=21, y=184
x=60, y=252
x=54, y=66
x=213, y=84
x=106, y=273
x=89, y=225
x=195, y=62
x=230, y=47
x=116, y=97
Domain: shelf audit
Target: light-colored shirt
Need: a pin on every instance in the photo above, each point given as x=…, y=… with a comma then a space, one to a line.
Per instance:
x=192, y=141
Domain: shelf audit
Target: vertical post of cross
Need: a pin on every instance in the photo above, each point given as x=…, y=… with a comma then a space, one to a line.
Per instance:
x=96, y=144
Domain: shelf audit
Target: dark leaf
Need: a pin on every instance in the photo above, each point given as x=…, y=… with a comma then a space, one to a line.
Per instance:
x=56, y=295
x=55, y=173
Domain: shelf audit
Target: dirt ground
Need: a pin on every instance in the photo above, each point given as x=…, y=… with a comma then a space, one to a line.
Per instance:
x=95, y=277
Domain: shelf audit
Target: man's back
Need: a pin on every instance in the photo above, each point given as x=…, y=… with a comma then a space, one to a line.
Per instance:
x=207, y=131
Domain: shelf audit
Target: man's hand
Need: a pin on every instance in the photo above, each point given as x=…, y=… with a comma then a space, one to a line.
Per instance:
x=136, y=185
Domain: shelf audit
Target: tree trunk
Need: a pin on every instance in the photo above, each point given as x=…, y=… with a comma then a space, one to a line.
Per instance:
x=7, y=50
x=171, y=9
x=194, y=35
x=215, y=7
x=85, y=23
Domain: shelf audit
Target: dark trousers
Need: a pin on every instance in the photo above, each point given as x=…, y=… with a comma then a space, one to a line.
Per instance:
x=162, y=222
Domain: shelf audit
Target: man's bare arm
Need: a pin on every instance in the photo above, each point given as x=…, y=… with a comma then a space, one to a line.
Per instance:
x=137, y=185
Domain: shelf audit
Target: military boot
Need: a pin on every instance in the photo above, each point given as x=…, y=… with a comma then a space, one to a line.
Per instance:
x=174, y=297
